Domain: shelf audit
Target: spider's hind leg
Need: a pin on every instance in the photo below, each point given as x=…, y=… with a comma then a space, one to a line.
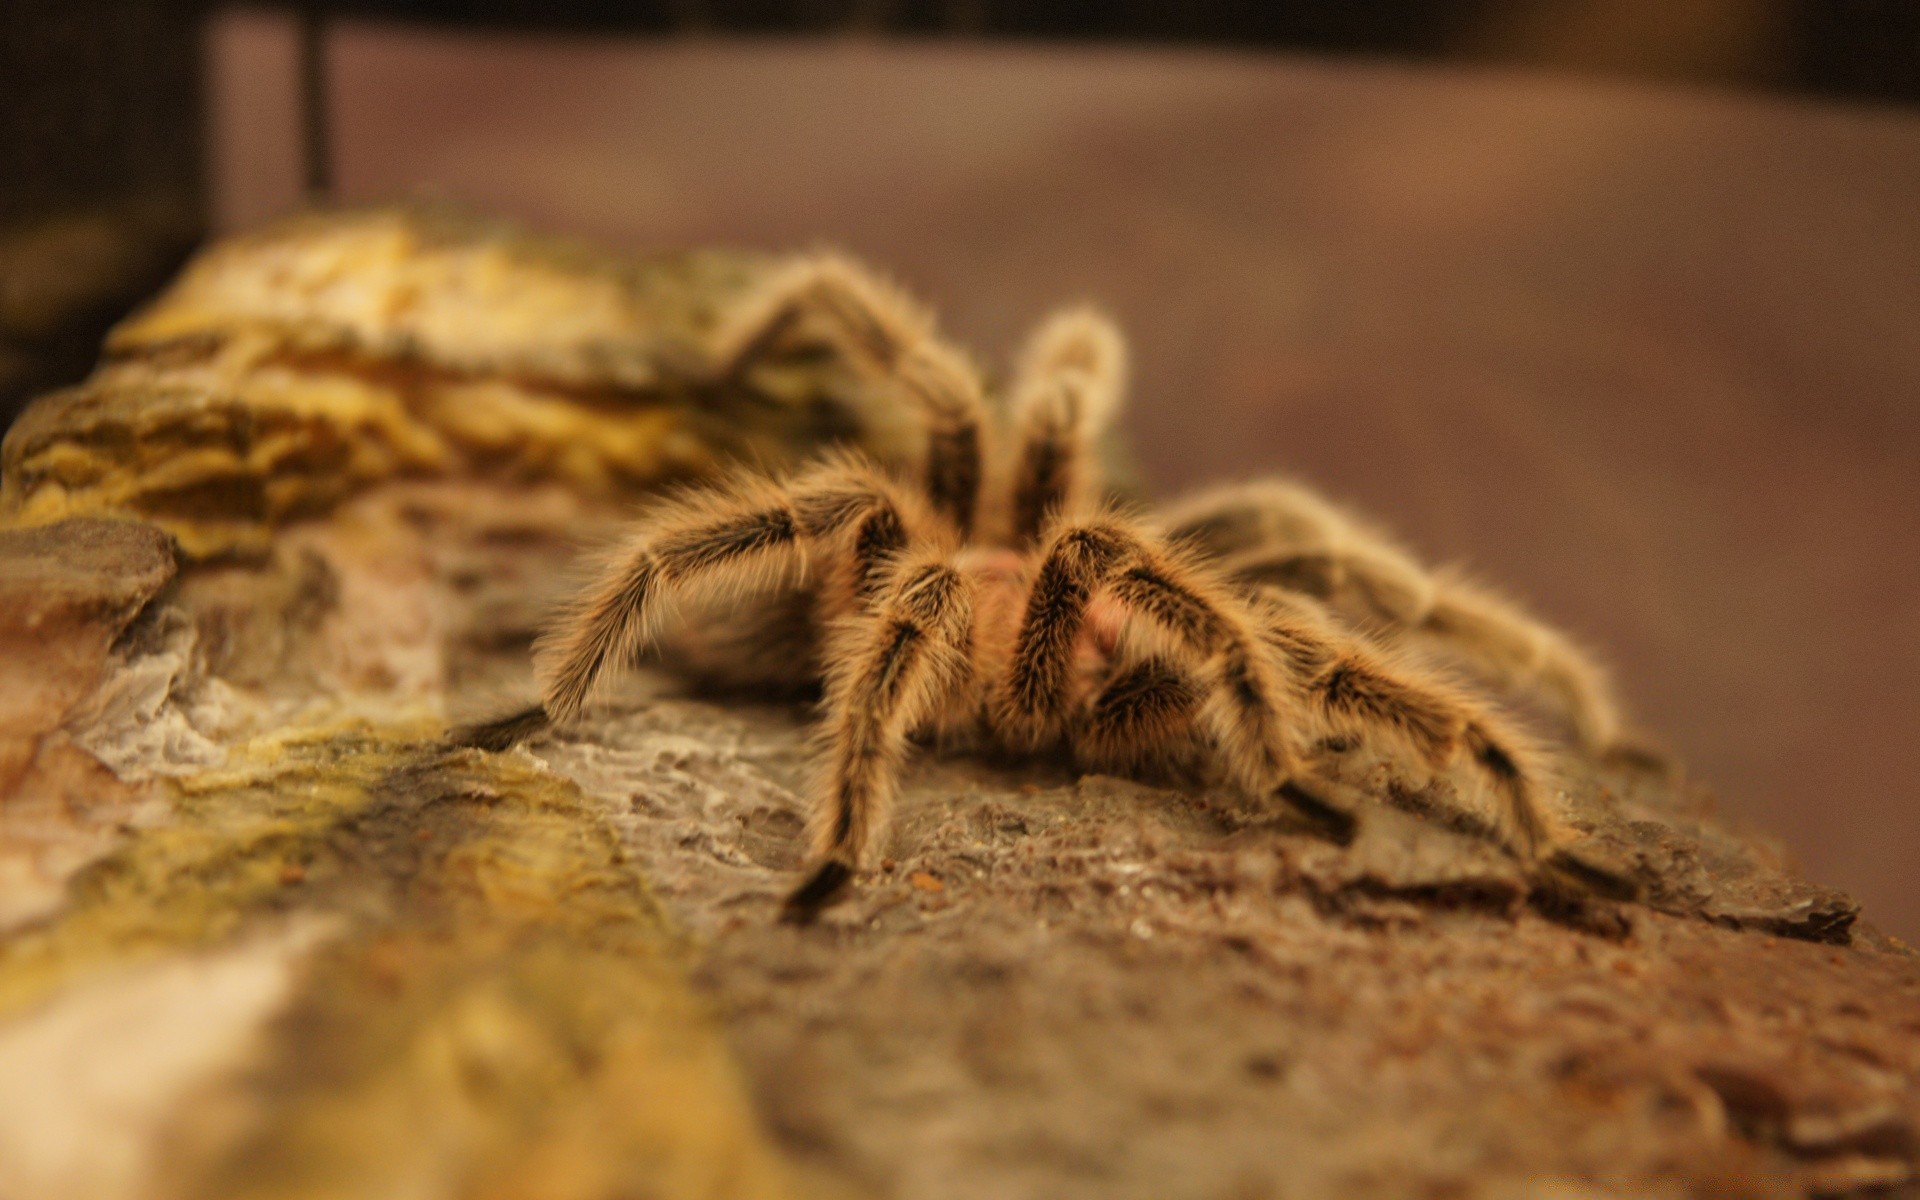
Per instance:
x=1277, y=533
x=1275, y=677
x=1142, y=722
x=1139, y=717
x=881, y=333
x=1422, y=726
x=1244, y=696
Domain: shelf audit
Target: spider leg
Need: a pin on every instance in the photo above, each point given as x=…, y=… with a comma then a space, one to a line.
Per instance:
x=1245, y=692
x=896, y=664
x=1271, y=680
x=502, y=733
x=1360, y=694
x=1281, y=534
x=883, y=334
x=1139, y=710
x=1518, y=650
x=736, y=538
x=1065, y=392
x=1147, y=709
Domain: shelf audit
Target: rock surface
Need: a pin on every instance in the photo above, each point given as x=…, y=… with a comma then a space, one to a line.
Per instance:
x=1061, y=987
x=318, y=952
x=67, y=591
x=289, y=369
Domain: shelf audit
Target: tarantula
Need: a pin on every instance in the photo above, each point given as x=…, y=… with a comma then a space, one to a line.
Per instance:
x=997, y=595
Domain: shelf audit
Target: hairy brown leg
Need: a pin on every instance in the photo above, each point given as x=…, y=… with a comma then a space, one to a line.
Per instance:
x=1513, y=648
x=1152, y=705
x=1280, y=534
x=1357, y=693
x=502, y=733
x=740, y=537
x=1244, y=694
x=1270, y=681
x=1138, y=712
x=893, y=668
x=884, y=335
x=1064, y=395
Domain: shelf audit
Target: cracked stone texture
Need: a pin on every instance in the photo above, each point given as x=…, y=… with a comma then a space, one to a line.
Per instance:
x=67, y=591
x=292, y=367
x=378, y=965
x=1061, y=987
x=1053, y=987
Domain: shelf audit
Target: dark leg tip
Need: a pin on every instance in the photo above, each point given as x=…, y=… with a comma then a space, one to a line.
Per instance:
x=820, y=889
x=1643, y=758
x=504, y=733
x=1335, y=820
x=1574, y=866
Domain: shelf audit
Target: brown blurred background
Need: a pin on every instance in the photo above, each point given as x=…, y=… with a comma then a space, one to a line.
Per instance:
x=1618, y=302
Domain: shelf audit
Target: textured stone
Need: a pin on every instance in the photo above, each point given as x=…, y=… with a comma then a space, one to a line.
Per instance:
x=1055, y=986
x=1118, y=990
x=292, y=368
x=557, y=971
x=67, y=590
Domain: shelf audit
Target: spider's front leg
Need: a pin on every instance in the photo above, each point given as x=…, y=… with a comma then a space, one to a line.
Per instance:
x=735, y=538
x=1243, y=692
x=893, y=667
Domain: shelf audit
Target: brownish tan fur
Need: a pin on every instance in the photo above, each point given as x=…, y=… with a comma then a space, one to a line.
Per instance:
x=1065, y=393
x=1364, y=693
x=1141, y=714
x=730, y=541
x=1056, y=623
x=892, y=667
x=881, y=332
x=1277, y=533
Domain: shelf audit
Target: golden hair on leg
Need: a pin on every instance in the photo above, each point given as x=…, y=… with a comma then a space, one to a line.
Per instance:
x=1280, y=534
x=892, y=668
x=883, y=334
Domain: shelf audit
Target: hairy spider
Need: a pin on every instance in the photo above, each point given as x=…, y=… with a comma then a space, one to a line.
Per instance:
x=997, y=596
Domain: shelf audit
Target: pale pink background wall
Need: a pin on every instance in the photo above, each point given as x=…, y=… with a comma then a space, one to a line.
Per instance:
x=1651, y=357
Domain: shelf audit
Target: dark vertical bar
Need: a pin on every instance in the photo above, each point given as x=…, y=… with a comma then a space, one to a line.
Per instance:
x=315, y=141
x=101, y=175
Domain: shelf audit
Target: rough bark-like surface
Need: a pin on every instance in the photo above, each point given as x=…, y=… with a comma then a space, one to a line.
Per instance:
x=320, y=953
x=287, y=370
x=67, y=592
x=1062, y=987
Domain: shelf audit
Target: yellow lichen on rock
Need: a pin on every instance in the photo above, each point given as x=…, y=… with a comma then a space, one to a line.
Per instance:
x=496, y=1007
x=517, y=1026
x=290, y=368
x=463, y=294
x=217, y=468
x=196, y=878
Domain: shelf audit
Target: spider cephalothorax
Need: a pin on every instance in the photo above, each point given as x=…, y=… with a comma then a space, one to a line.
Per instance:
x=994, y=594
